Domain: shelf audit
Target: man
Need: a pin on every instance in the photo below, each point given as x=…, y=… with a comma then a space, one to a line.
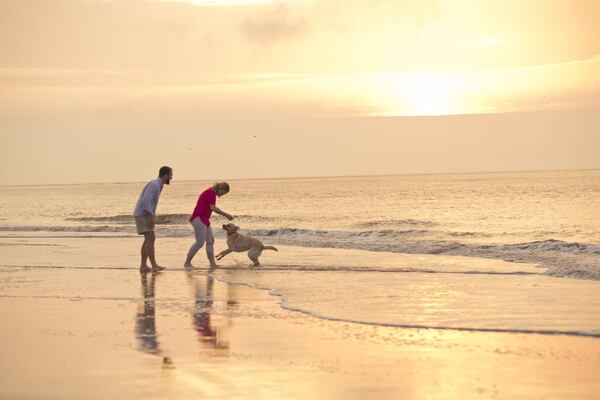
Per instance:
x=145, y=216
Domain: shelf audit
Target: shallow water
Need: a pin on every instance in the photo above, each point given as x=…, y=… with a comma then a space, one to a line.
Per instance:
x=551, y=219
x=509, y=252
x=378, y=288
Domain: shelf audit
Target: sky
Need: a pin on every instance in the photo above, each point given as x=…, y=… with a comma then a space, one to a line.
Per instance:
x=108, y=91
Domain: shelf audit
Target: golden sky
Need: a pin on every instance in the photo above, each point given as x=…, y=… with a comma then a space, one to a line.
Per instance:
x=204, y=76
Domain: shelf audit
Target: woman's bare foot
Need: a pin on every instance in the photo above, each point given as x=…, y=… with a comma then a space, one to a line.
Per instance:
x=188, y=262
x=145, y=268
x=156, y=268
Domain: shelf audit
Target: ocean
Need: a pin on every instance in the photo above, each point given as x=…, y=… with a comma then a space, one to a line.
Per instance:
x=509, y=252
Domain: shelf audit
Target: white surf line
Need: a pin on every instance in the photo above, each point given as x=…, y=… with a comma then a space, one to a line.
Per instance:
x=297, y=268
x=86, y=236
x=33, y=244
x=66, y=267
x=78, y=298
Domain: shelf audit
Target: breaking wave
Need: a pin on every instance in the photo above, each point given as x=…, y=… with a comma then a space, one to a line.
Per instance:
x=560, y=258
x=395, y=222
x=565, y=259
x=77, y=228
x=161, y=219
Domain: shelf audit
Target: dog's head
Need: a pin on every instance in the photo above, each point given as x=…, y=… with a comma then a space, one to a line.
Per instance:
x=231, y=228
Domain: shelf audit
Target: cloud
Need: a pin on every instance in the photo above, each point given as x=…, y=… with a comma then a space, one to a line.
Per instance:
x=273, y=25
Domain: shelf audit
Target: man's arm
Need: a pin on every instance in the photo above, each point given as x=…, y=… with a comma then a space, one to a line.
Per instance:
x=148, y=201
x=219, y=211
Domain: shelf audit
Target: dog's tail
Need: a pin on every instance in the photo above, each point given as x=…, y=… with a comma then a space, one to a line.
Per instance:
x=270, y=248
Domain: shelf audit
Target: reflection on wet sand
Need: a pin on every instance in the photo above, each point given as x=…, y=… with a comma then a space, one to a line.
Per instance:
x=211, y=328
x=145, y=322
x=203, y=307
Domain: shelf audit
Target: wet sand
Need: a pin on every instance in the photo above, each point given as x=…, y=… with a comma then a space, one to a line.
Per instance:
x=71, y=333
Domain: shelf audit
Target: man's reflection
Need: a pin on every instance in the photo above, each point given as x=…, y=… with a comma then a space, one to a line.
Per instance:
x=145, y=326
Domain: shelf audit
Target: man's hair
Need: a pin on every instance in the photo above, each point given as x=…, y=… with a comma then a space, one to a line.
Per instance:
x=164, y=171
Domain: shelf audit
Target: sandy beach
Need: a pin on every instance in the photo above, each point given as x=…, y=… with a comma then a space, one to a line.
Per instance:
x=402, y=197
x=101, y=330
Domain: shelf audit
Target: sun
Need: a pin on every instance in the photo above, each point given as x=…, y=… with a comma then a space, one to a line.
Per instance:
x=420, y=93
x=429, y=94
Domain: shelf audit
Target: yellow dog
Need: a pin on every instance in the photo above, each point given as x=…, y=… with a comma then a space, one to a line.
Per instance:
x=238, y=242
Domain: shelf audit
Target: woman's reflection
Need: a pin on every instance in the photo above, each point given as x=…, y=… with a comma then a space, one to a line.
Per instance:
x=203, y=303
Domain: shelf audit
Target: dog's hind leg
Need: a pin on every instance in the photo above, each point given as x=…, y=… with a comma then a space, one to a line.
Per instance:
x=253, y=255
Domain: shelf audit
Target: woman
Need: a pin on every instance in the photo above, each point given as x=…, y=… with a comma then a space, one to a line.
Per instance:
x=200, y=220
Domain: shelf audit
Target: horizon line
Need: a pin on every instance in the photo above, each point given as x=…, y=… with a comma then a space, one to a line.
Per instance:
x=311, y=177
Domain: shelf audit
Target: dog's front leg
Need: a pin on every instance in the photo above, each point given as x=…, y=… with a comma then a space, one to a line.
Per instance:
x=223, y=254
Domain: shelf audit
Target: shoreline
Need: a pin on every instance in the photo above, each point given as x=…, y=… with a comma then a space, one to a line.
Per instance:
x=283, y=302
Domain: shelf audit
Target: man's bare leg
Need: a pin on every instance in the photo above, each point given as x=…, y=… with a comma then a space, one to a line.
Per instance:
x=144, y=266
x=150, y=238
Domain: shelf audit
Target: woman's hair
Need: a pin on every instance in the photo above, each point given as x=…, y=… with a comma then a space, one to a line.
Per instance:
x=221, y=185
